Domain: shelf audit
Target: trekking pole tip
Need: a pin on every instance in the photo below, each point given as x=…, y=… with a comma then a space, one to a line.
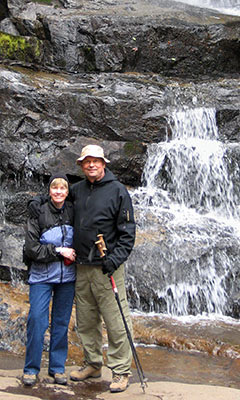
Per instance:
x=144, y=385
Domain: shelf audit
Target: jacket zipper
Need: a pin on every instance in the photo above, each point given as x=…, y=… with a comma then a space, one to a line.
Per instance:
x=87, y=200
x=61, y=275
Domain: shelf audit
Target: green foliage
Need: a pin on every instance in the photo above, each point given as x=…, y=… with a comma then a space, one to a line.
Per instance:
x=18, y=47
x=43, y=1
x=132, y=148
x=9, y=44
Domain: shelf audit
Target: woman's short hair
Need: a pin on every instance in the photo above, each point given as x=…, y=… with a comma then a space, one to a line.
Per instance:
x=59, y=181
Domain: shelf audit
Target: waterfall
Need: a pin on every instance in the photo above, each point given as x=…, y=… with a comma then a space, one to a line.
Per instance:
x=188, y=212
x=225, y=6
x=190, y=166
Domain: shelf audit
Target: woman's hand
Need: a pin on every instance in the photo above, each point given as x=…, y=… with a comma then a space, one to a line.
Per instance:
x=67, y=252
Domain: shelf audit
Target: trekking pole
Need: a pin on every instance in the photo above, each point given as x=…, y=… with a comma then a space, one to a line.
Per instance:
x=142, y=378
x=102, y=247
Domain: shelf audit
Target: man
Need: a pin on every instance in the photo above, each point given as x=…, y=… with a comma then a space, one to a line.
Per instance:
x=102, y=205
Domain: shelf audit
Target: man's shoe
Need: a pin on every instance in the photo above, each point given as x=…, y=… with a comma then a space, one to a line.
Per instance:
x=86, y=371
x=60, y=379
x=119, y=383
x=29, y=380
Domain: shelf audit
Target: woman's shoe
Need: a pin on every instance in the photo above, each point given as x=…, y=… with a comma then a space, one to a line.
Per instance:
x=60, y=379
x=29, y=380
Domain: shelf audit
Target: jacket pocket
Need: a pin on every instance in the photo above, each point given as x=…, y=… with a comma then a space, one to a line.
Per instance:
x=38, y=271
x=85, y=241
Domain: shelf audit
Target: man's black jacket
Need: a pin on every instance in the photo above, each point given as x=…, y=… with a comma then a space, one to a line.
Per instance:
x=102, y=207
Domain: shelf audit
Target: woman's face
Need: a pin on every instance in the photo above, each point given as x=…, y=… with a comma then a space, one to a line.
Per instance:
x=58, y=194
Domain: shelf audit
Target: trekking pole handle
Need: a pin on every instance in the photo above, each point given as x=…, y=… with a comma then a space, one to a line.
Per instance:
x=102, y=248
x=101, y=245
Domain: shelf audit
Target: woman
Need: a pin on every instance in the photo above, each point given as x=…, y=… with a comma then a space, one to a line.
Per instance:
x=48, y=245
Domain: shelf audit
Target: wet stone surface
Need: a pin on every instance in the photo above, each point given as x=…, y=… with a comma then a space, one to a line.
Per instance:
x=158, y=365
x=80, y=391
x=193, y=365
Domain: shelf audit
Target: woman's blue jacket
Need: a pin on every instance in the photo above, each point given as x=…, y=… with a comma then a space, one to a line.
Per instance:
x=53, y=228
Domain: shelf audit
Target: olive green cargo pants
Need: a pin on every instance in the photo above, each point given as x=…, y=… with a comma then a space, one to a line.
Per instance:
x=95, y=301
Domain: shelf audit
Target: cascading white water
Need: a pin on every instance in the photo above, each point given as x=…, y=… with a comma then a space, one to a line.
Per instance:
x=231, y=7
x=187, y=188
x=193, y=162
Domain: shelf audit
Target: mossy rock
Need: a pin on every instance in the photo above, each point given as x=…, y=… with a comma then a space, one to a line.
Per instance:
x=49, y=2
x=134, y=148
x=27, y=49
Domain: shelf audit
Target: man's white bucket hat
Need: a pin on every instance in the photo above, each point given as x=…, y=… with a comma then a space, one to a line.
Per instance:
x=92, y=150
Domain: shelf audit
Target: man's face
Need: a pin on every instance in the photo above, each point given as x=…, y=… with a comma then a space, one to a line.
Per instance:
x=93, y=168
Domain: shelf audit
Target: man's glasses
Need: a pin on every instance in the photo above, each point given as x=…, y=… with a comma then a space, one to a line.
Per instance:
x=95, y=161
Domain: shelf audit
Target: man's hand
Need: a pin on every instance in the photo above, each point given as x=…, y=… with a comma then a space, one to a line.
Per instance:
x=34, y=205
x=34, y=208
x=108, y=267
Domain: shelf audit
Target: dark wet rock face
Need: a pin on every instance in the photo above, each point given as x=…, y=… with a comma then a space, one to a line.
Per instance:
x=3, y=10
x=144, y=38
x=75, y=73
